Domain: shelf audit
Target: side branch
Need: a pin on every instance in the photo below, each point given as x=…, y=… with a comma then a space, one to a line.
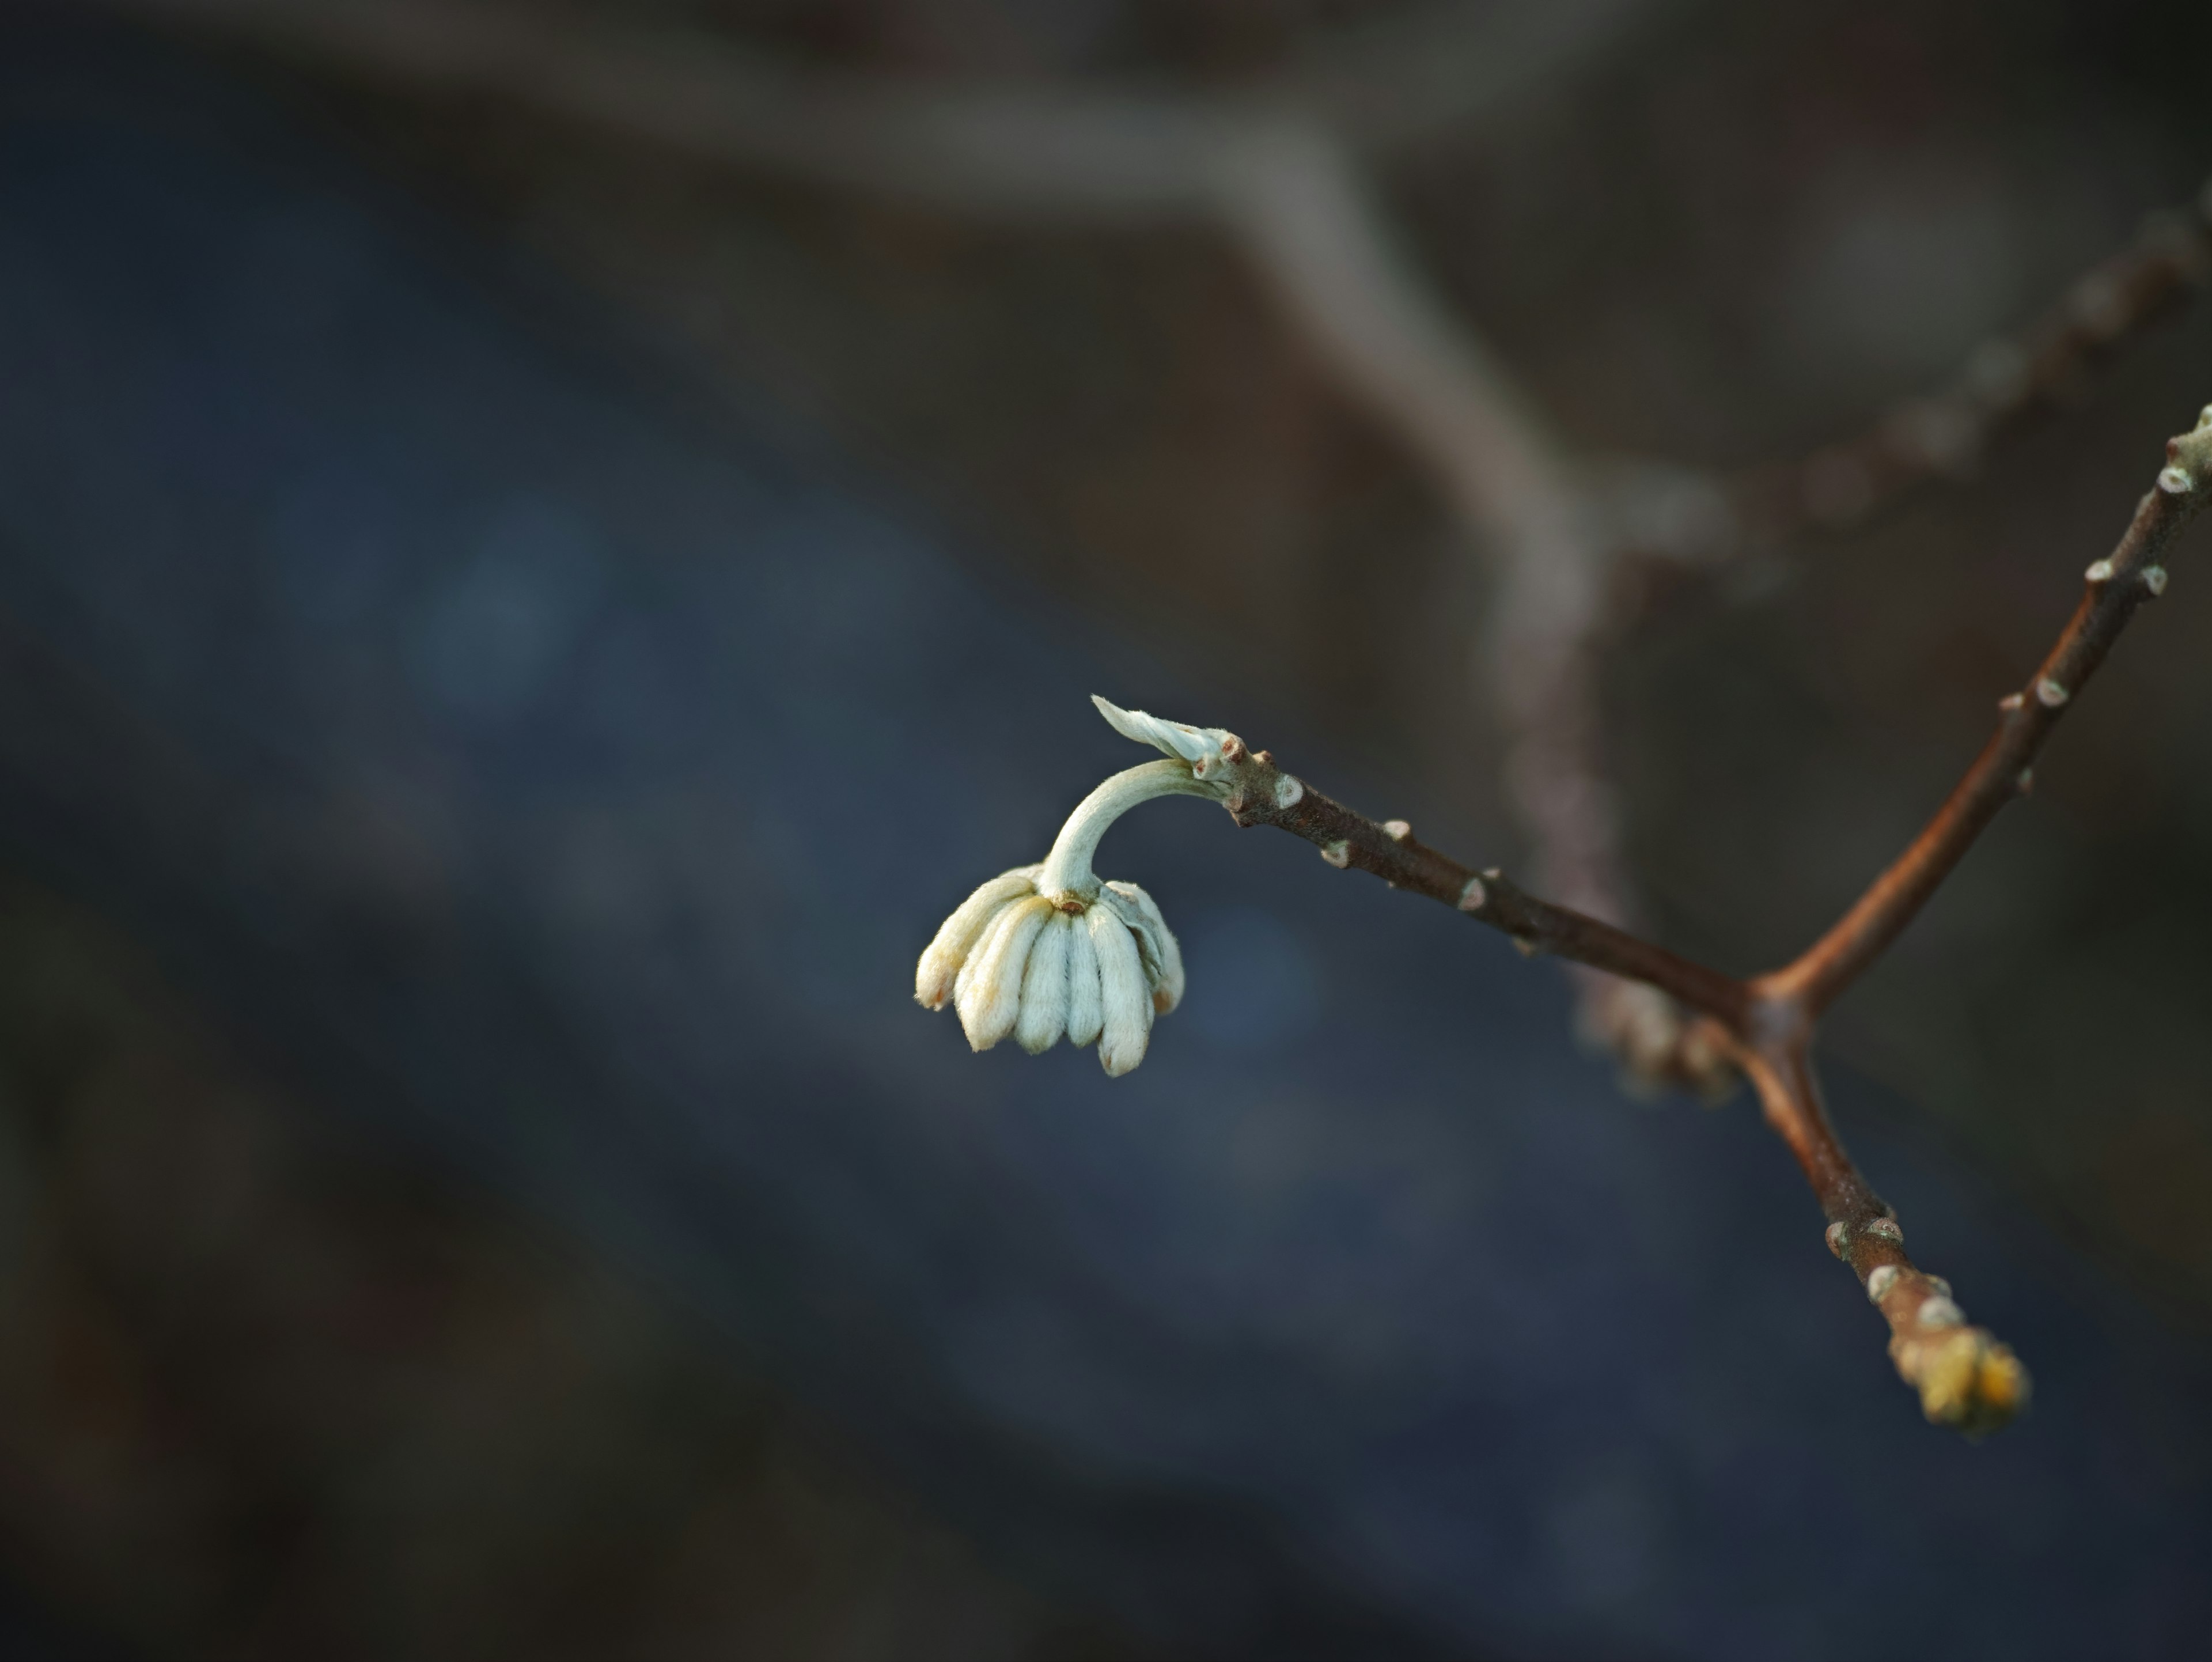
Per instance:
x=2007, y=386
x=2114, y=587
x=1966, y=1377
x=1258, y=793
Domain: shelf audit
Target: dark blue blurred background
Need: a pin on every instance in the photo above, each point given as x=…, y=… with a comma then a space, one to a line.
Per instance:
x=521, y=763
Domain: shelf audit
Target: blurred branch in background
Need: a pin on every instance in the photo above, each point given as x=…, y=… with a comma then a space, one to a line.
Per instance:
x=2005, y=386
x=1025, y=149
x=1284, y=165
x=1281, y=168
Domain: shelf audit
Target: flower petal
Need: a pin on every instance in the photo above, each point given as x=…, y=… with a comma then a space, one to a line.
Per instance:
x=1086, y=1015
x=1155, y=941
x=991, y=927
x=1044, y=989
x=1124, y=998
x=958, y=935
x=992, y=1001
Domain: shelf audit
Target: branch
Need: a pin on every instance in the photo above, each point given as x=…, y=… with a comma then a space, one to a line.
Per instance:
x=1966, y=1377
x=2113, y=589
x=1259, y=793
x=2007, y=386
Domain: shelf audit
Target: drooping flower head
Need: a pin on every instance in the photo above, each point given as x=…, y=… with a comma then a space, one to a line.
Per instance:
x=1047, y=950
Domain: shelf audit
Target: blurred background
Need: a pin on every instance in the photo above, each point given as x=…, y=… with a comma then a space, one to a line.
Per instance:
x=526, y=594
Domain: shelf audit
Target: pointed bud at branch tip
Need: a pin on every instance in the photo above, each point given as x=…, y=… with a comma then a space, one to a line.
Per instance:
x=2050, y=694
x=1205, y=748
x=1964, y=1379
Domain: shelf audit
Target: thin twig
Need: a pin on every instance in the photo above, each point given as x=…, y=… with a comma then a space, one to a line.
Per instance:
x=2112, y=589
x=2006, y=385
x=1966, y=1377
x=1263, y=793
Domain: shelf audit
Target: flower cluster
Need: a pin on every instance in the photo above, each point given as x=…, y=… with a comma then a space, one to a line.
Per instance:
x=1050, y=950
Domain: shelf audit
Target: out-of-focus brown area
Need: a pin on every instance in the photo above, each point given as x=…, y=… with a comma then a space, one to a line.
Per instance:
x=265, y=1392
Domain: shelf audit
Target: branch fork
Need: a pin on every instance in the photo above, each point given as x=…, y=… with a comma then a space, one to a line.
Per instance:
x=1763, y=1026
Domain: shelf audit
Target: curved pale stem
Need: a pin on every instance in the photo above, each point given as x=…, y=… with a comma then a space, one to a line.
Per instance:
x=1067, y=868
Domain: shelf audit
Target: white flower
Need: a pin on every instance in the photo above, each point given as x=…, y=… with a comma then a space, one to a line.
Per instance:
x=1050, y=949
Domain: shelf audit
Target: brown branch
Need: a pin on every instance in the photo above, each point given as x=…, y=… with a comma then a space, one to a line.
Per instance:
x=1262, y=794
x=1966, y=1377
x=2113, y=589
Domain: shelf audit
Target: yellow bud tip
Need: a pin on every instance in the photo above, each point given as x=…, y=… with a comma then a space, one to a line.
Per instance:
x=1966, y=1379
